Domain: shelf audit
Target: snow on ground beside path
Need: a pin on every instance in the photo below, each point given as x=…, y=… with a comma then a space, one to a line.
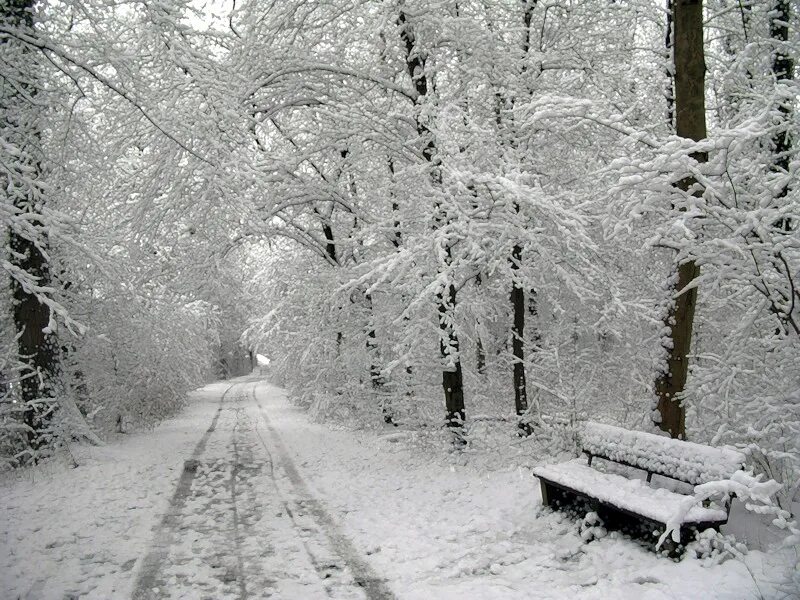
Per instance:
x=440, y=530
x=435, y=526
x=79, y=532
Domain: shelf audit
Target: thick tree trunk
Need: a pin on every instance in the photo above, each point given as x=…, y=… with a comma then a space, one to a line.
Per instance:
x=452, y=376
x=669, y=91
x=782, y=71
x=38, y=350
x=518, y=333
x=517, y=290
x=690, y=69
x=670, y=384
x=37, y=344
x=690, y=122
x=782, y=61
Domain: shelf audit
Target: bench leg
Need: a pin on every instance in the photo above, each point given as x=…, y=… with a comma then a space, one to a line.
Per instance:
x=545, y=493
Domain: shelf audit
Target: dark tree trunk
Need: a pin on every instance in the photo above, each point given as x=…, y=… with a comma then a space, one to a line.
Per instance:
x=376, y=380
x=330, y=244
x=690, y=123
x=397, y=242
x=452, y=377
x=782, y=61
x=37, y=346
x=38, y=350
x=517, y=290
x=480, y=352
x=782, y=71
x=372, y=347
x=690, y=69
x=397, y=232
x=669, y=91
x=518, y=333
x=373, y=352
x=333, y=258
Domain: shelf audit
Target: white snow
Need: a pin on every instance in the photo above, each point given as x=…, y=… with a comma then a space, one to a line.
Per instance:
x=630, y=494
x=298, y=510
x=80, y=532
x=687, y=461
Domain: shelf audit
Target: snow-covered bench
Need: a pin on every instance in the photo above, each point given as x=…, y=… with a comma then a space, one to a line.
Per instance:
x=620, y=497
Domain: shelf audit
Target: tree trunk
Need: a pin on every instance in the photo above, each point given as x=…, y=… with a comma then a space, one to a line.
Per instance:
x=452, y=377
x=518, y=333
x=397, y=242
x=669, y=91
x=37, y=345
x=372, y=347
x=782, y=70
x=376, y=381
x=38, y=350
x=690, y=123
x=517, y=290
x=330, y=251
x=480, y=351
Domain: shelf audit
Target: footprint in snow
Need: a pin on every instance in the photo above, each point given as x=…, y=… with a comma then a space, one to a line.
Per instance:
x=568, y=552
x=128, y=565
x=645, y=579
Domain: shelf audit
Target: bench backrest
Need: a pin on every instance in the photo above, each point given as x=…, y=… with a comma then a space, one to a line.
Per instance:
x=685, y=461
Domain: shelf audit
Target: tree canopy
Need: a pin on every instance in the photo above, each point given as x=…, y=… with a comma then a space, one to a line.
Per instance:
x=488, y=206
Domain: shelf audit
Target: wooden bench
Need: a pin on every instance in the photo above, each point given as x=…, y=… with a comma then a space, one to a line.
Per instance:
x=622, y=495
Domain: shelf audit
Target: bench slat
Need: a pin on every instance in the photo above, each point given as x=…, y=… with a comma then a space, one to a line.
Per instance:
x=677, y=459
x=631, y=495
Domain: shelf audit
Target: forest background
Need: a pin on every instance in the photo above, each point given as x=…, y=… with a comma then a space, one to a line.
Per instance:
x=425, y=213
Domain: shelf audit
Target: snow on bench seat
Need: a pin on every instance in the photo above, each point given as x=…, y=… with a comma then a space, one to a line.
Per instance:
x=632, y=495
x=685, y=461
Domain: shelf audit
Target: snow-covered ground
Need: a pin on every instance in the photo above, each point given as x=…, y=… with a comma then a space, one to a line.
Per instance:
x=243, y=497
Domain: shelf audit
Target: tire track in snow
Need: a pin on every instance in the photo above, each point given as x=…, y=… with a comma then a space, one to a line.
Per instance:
x=152, y=563
x=373, y=586
x=235, y=509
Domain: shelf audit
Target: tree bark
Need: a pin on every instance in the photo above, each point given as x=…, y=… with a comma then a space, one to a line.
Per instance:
x=452, y=377
x=373, y=351
x=669, y=91
x=480, y=351
x=782, y=71
x=37, y=345
x=690, y=122
x=518, y=334
x=517, y=295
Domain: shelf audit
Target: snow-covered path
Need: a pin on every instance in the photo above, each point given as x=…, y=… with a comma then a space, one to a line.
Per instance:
x=243, y=497
x=238, y=527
